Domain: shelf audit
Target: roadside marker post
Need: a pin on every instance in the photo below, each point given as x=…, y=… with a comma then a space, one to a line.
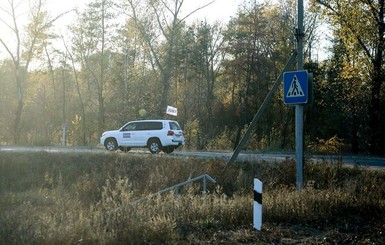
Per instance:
x=257, y=214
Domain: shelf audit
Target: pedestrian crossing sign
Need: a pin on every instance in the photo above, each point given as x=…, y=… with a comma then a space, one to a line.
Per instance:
x=295, y=87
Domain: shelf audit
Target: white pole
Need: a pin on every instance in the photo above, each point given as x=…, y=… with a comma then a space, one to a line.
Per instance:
x=257, y=217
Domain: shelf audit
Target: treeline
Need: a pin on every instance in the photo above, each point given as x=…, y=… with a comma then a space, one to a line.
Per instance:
x=127, y=60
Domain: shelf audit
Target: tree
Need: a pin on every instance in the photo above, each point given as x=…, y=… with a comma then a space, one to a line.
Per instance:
x=137, y=84
x=7, y=99
x=340, y=107
x=78, y=92
x=258, y=45
x=198, y=59
x=36, y=33
x=92, y=42
x=159, y=23
x=360, y=25
x=211, y=54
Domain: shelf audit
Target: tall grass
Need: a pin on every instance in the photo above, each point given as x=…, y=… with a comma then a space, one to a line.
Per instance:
x=48, y=198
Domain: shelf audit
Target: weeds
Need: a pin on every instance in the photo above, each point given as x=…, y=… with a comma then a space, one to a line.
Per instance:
x=76, y=198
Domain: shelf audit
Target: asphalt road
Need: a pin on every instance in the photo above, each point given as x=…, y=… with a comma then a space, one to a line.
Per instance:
x=368, y=161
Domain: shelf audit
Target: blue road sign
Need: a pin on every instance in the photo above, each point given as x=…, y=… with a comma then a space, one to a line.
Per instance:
x=295, y=87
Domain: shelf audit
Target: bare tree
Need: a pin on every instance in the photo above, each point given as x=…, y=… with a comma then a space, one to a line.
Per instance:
x=161, y=20
x=79, y=93
x=92, y=46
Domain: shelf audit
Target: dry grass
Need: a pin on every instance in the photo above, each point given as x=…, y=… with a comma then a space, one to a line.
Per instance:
x=48, y=198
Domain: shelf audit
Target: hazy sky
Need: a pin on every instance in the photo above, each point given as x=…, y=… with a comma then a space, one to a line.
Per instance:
x=218, y=10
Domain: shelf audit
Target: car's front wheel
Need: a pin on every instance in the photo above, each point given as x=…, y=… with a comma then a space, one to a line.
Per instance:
x=154, y=146
x=111, y=144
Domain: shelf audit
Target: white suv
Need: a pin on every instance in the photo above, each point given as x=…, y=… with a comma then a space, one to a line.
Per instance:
x=157, y=135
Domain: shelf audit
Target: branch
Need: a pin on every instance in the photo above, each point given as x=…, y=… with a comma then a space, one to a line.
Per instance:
x=8, y=13
x=159, y=21
x=196, y=10
x=12, y=13
x=348, y=25
x=372, y=8
x=57, y=17
x=8, y=51
x=145, y=36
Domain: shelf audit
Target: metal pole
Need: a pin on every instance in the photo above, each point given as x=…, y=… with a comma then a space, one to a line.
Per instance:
x=204, y=184
x=299, y=108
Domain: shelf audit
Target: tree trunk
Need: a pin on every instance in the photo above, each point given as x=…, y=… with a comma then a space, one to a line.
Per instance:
x=376, y=128
x=16, y=128
x=354, y=139
x=20, y=105
x=101, y=121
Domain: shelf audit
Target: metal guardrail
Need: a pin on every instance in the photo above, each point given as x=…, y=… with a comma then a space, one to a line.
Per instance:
x=203, y=177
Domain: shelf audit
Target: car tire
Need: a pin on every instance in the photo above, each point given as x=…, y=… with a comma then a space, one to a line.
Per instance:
x=154, y=146
x=111, y=144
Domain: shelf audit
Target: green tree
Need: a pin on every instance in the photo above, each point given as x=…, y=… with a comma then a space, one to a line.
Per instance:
x=360, y=26
x=341, y=98
x=199, y=61
x=258, y=46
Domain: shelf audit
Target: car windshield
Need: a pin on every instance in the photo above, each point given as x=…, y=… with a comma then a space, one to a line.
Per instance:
x=174, y=126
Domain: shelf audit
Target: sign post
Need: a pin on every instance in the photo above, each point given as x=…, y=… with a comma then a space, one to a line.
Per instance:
x=299, y=107
x=296, y=92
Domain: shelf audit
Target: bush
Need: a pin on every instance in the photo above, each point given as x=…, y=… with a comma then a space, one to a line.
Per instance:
x=91, y=198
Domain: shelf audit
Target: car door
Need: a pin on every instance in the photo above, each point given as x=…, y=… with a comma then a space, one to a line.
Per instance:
x=129, y=135
x=147, y=130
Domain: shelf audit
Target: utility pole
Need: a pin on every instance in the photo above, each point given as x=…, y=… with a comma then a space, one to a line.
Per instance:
x=299, y=108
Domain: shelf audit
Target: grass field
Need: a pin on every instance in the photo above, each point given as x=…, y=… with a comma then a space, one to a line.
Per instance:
x=58, y=198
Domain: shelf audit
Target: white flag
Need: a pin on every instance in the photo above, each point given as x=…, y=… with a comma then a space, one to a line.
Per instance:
x=172, y=111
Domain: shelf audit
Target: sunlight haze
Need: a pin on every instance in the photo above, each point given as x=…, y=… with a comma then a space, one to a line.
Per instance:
x=219, y=10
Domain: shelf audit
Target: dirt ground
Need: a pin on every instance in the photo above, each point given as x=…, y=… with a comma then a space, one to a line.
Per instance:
x=366, y=233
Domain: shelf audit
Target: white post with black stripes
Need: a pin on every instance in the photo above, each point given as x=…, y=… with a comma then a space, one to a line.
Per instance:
x=257, y=217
